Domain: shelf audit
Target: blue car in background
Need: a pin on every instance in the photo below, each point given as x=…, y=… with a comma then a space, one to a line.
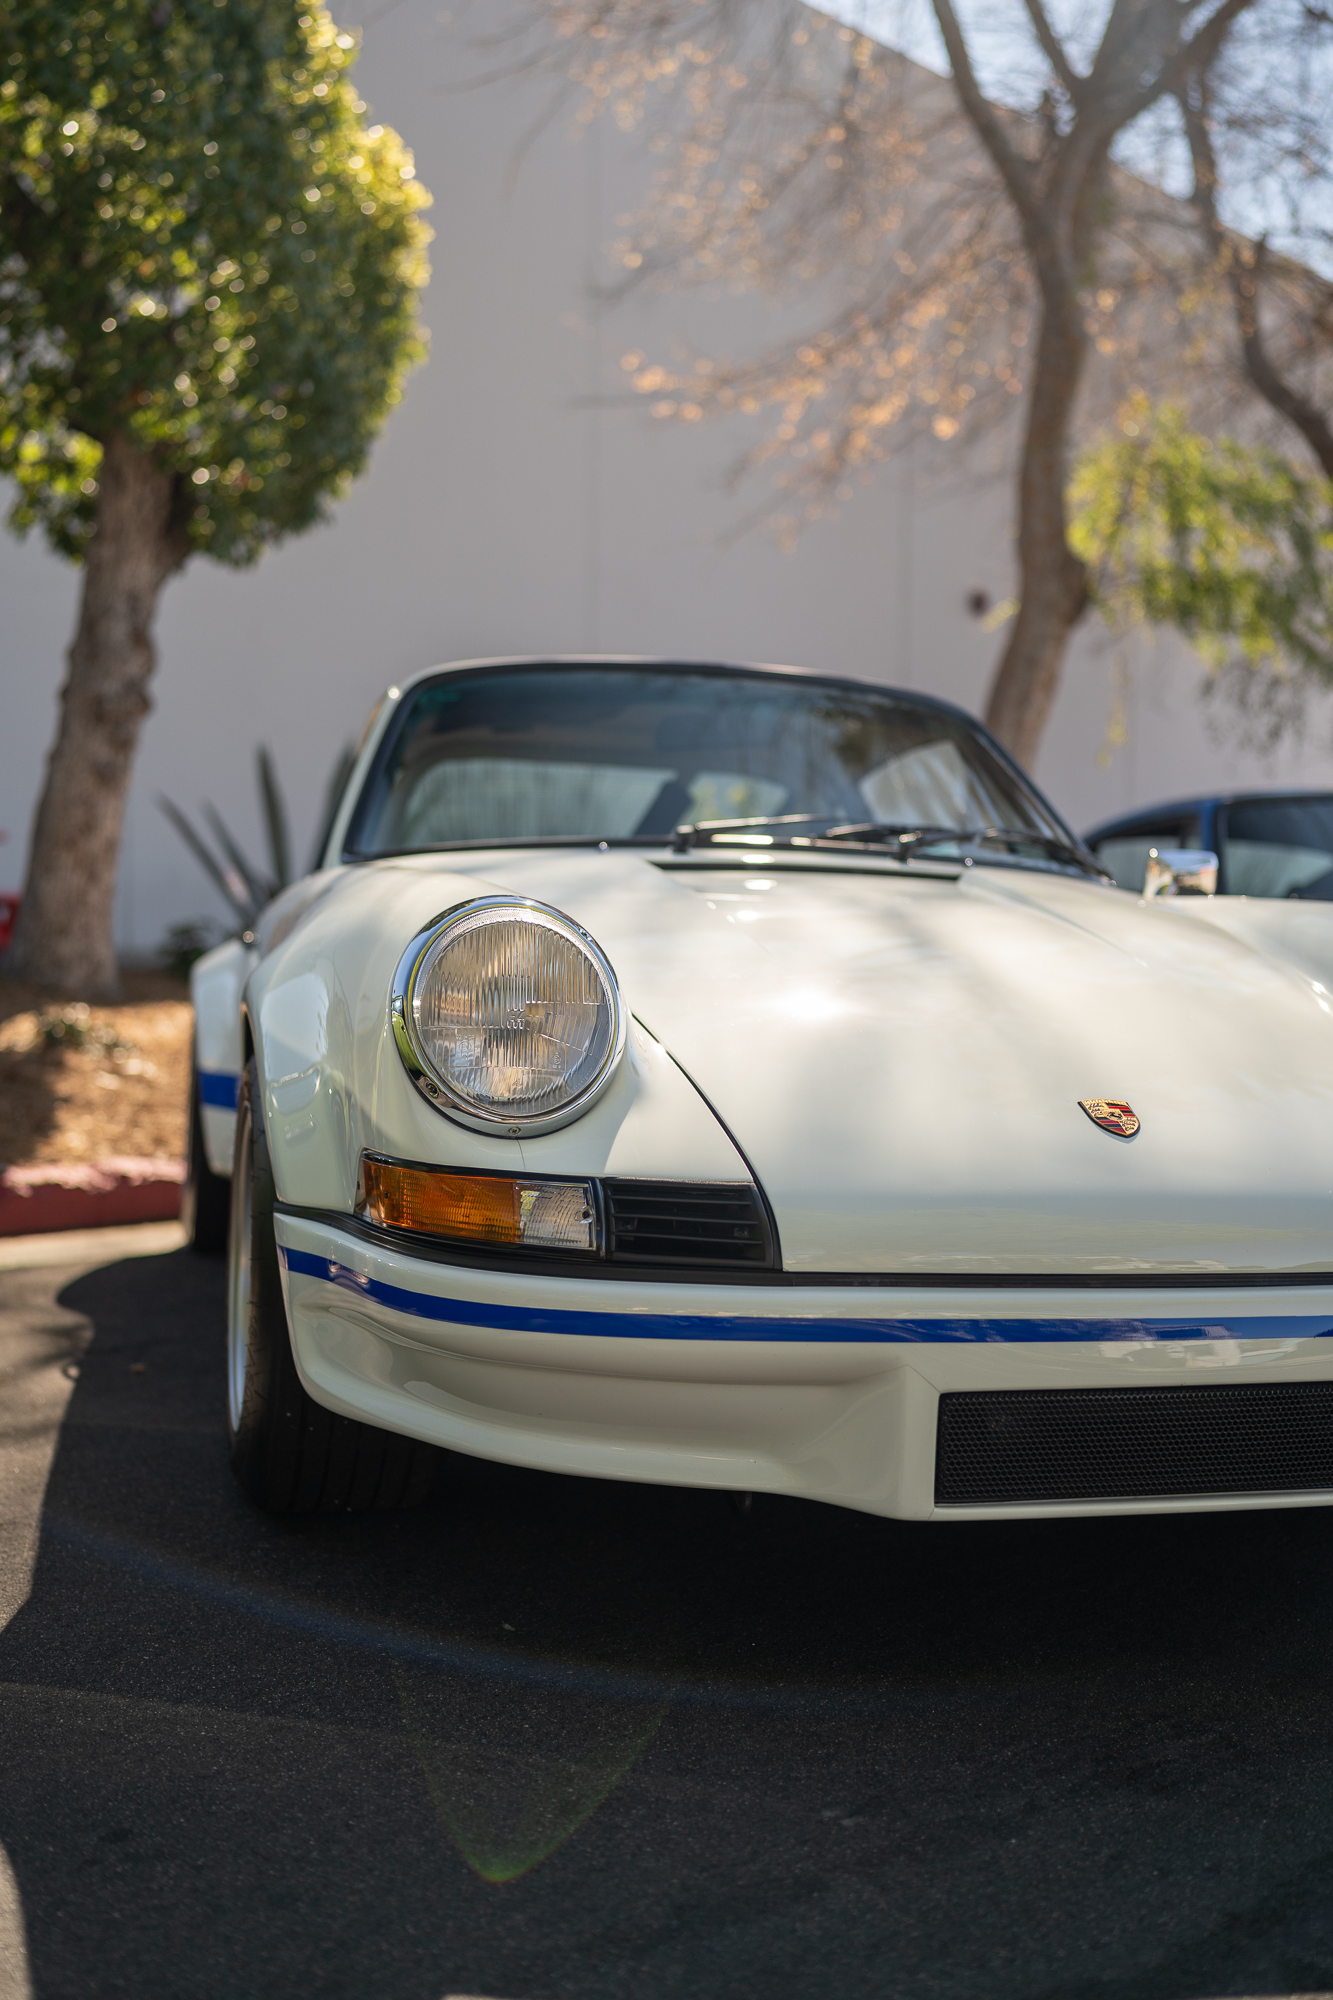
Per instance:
x=1266, y=843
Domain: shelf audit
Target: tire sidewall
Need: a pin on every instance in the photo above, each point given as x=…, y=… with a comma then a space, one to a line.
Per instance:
x=290, y=1453
x=270, y=1369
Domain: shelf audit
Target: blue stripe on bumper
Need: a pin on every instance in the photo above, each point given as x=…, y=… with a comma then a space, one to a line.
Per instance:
x=748, y=1326
x=218, y=1087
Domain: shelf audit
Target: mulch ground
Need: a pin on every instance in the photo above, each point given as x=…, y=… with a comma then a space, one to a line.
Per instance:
x=81, y=1083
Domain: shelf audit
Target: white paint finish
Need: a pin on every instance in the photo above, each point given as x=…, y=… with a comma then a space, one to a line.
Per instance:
x=506, y=509
x=219, y=1127
x=1286, y=930
x=303, y=1042
x=951, y=1364
x=279, y=918
x=900, y=1058
x=821, y=1424
x=334, y=1083
x=651, y=1122
x=216, y=983
x=852, y=1422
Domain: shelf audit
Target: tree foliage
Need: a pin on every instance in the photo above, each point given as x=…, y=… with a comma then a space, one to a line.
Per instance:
x=1230, y=545
x=201, y=245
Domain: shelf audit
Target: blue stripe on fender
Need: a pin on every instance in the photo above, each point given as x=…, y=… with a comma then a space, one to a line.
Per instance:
x=218, y=1087
x=732, y=1326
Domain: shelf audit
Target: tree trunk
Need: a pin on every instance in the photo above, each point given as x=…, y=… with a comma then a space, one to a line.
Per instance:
x=63, y=940
x=1052, y=581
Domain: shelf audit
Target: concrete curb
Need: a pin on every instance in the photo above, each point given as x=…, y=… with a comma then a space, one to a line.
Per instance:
x=88, y=1246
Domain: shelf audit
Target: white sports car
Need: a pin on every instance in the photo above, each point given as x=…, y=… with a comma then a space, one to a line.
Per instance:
x=739, y=1077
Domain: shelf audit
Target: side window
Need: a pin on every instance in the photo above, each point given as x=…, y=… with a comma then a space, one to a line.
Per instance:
x=1280, y=847
x=1125, y=855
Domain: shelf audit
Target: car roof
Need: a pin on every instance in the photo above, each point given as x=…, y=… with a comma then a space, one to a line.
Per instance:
x=672, y=663
x=1171, y=808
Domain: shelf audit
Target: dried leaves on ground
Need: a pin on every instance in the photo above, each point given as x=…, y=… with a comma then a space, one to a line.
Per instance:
x=80, y=1083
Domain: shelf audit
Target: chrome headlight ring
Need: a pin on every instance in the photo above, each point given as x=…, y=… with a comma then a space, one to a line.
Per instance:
x=507, y=1120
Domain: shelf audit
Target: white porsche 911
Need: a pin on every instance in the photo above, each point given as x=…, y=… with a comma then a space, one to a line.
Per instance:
x=740, y=1077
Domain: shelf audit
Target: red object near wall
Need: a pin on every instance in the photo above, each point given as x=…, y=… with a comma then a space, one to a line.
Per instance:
x=35, y=1199
x=9, y=909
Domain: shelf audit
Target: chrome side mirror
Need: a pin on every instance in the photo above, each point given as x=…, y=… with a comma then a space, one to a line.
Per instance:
x=1180, y=871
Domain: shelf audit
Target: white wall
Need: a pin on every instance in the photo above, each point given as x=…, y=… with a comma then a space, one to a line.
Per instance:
x=504, y=513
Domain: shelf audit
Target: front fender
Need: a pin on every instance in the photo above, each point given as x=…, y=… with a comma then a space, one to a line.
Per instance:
x=303, y=1052
x=332, y=1080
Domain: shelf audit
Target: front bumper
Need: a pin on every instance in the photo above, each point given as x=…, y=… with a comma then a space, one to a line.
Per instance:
x=827, y=1392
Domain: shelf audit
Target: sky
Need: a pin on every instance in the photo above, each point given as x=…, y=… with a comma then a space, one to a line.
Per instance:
x=1282, y=47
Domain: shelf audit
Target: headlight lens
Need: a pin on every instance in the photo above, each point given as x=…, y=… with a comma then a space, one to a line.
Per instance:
x=507, y=1015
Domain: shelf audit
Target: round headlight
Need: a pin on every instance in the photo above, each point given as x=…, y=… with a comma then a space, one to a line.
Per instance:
x=507, y=1016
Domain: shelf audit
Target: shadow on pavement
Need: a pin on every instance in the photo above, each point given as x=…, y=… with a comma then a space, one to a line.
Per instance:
x=552, y=1737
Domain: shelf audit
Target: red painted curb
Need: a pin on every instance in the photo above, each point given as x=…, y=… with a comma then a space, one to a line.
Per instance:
x=103, y=1192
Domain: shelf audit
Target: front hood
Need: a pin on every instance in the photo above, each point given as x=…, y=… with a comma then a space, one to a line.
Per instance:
x=901, y=1056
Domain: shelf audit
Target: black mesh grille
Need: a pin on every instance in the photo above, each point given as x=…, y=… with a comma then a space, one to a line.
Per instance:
x=1035, y=1445
x=686, y=1223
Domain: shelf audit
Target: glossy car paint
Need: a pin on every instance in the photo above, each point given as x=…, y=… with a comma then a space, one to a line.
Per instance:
x=896, y=1054
x=900, y=1056
x=829, y=1393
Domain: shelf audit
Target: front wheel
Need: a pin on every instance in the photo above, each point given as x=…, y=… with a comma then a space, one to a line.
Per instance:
x=290, y=1454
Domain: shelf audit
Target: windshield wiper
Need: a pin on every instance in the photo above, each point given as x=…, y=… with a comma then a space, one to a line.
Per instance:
x=756, y=832
x=741, y=832
x=904, y=840
x=901, y=841
x=910, y=840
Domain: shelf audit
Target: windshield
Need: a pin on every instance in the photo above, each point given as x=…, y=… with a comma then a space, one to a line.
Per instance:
x=627, y=754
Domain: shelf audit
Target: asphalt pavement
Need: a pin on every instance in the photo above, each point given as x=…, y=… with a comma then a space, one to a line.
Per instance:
x=553, y=1739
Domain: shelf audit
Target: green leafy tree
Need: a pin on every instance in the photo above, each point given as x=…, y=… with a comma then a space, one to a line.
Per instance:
x=208, y=276
x=1229, y=545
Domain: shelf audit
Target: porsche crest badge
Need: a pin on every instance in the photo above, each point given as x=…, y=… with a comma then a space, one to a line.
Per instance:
x=1112, y=1114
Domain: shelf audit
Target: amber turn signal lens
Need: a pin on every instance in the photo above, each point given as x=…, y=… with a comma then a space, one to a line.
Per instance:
x=478, y=1208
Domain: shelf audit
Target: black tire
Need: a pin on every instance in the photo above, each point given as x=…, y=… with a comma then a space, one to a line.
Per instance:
x=290, y=1454
x=206, y=1196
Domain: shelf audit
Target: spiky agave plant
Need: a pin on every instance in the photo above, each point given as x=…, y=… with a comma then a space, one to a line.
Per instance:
x=245, y=887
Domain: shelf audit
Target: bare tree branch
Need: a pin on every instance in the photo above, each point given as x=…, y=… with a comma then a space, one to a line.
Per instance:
x=1054, y=49
x=1197, y=53
x=1016, y=171
x=1243, y=265
x=968, y=265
